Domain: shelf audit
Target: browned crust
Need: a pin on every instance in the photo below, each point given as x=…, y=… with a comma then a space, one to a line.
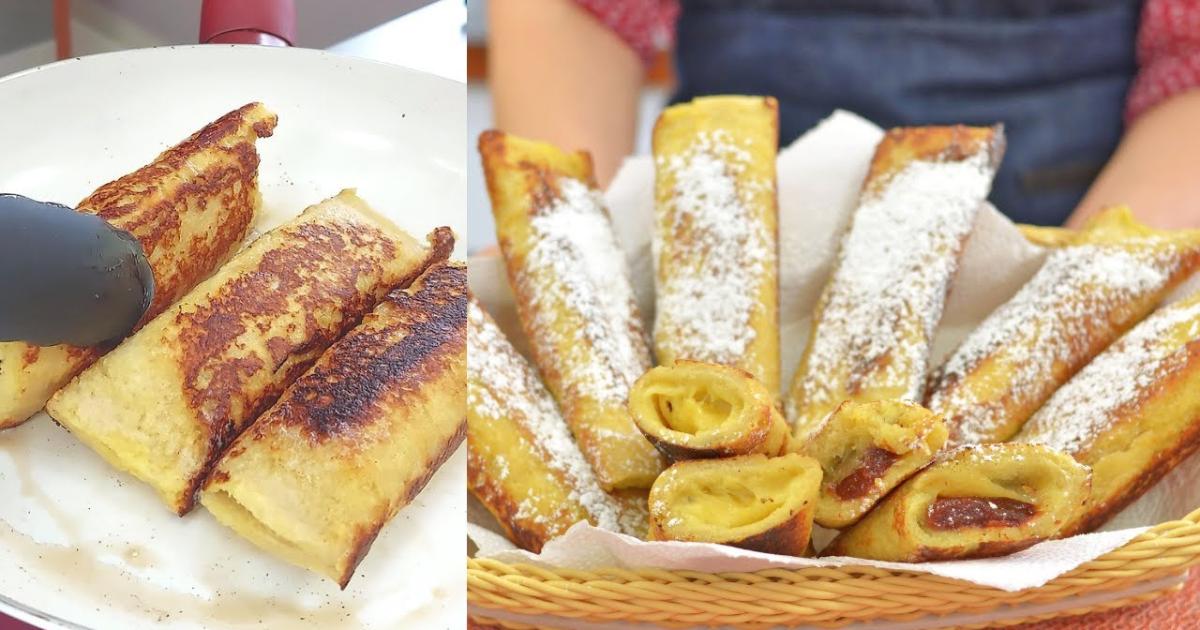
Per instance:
x=336, y=398
x=105, y=201
x=212, y=382
x=901, y=145
x=121, y=202
x=491, y=144
x=789, y=538
x=366, y=536
x=493, y=149
x=441, y=245
x=421, y=342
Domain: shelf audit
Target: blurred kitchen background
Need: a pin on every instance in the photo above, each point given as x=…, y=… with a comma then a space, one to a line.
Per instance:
x=421, y=34
x=655, y=94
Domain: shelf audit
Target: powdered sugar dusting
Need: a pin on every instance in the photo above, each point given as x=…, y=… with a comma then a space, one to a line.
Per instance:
x=982, y=452
x=502, y=387
x=1118, y=377
x=578, y=285
x=1053, y=321
x=719, y=251
x=885, y=298
x=633, y=518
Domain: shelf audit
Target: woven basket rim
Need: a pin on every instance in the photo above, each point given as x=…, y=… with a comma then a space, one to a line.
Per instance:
x=1152, y=537
x=810, y=595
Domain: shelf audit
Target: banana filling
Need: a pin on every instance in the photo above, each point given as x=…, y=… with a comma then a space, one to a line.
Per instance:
x=693, y=410
x=728, y=503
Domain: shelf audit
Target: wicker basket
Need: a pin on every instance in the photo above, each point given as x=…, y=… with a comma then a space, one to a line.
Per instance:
x=819, y=596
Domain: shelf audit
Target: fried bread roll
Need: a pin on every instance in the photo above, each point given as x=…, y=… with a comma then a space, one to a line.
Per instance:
x=189, y=209
x=866, y=450
x=522, y=463
x=715, y=241
x=358, y=436
x=1084, y=296
x=574, y=298
x=874, y=323
x=694, y=410
x=166, y=403
x=975, y=501
x=1132, y=414
x=751, y=501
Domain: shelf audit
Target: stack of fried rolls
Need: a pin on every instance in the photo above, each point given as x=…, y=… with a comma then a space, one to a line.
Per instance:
x=909, y=464
x=167, y=402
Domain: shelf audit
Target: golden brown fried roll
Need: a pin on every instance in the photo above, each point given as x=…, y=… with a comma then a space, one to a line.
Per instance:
x=164, y=405
x=189, y=209
x=866, y=450
x=574, y=298
x=751, y=501
x=694, y=410
x=975, y=501
x=1132, y=414
x=358, y=436
x=522, y=463
x=874, y=323
x=1083, y=298
x=716, y=234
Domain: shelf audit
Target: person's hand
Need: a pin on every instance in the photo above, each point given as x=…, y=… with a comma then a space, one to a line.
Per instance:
x=558, y=75
x=1155, y=170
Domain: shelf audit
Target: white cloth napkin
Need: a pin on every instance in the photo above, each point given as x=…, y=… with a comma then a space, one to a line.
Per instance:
x=819, y=179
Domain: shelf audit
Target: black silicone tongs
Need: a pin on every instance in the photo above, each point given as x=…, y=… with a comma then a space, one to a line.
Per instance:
x=67, y=277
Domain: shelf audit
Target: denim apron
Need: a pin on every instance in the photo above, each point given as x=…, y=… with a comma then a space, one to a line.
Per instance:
x=1055, y=72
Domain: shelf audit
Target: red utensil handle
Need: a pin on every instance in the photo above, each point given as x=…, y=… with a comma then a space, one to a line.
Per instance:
x=266, y=22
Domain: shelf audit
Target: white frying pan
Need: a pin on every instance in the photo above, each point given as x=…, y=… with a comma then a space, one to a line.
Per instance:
x=82, y=545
